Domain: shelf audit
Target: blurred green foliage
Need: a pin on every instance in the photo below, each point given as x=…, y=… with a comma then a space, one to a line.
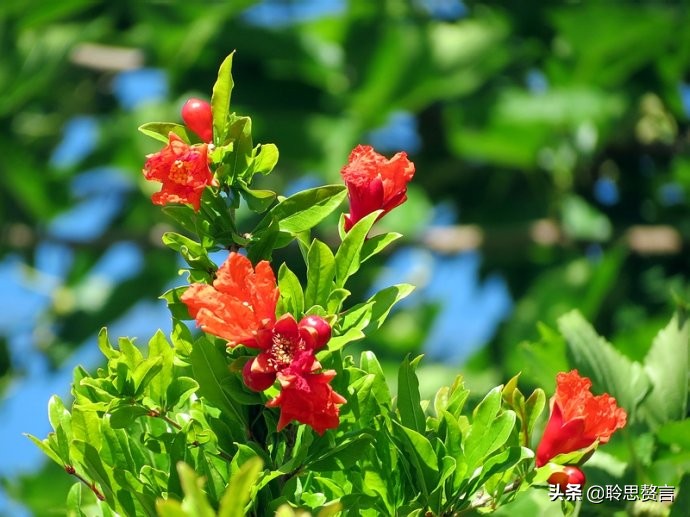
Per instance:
x=524, y=109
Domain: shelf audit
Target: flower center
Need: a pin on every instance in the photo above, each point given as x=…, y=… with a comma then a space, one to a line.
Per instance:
x=179, y=172
x=283, y=351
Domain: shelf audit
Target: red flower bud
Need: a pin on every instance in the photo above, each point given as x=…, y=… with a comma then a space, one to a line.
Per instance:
x=198, y=117
x=255, y=379
x=570, y=475
x=315, y=331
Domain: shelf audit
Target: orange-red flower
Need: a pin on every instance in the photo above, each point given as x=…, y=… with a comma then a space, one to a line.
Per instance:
x=182, y=169
x=309, y=399
x=578, y=418
x=240, y=306
x=374, y=182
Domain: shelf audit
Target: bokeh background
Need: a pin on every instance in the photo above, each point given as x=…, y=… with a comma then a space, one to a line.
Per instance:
x=550, y=138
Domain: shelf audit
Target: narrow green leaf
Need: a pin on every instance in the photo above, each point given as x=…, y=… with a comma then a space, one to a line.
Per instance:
x=195, y=502
x=290, y=290
x=376, y=244
x=534, y=405
x=369, y=363
x=320, y=270
x=105, y=346
x=161, y=131
x=240, y=488
x=220, y=100
x=347, y=258
x=409, y=401
x=159, y=384
x=479, y=440
x=305, y=209
x=44, y=445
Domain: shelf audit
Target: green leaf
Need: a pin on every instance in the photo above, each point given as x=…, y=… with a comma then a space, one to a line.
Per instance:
x=409, y=401
x=61, y=421
x=44, y=445
x=195, y=502
x=177, y=309
x=320, y=270
x=487, y=432
x=161, y=131
x=123, y=416
x=237, y=162
x=290, y=290
x=421, y=454
x=160, y=384
x=105, y=346
x=609, y=370
x=666, y=365
x=86, y=426
x=194, y=253
x=370, y=364
x=534, y=405
x=304, y=210
x=210, y=368
x=220, y=100
x=240, y=488
x=266, y=159
x=370, y=315
x=347, y=258
x=258, y=200
x=144, y=373
x=376, y=244
x=179, y=391
x=264, y=242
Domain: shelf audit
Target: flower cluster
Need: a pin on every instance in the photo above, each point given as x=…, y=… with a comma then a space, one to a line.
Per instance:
x=240, y=307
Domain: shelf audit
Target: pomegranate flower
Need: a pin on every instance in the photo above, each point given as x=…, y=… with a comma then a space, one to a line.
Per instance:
x=578, y=418
x=374, y=183
x=288, y=351
x=308, y=399
x=182, y=169
x=240, y=306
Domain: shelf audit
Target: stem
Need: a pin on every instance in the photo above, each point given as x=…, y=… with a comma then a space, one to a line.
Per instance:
x=485, y=499
x=92, y=486
x=157, y=414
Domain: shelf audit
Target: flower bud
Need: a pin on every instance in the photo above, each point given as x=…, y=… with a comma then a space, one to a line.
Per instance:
x=570, y=475
x=315, y=331
x=198, y=117
x=257, y=380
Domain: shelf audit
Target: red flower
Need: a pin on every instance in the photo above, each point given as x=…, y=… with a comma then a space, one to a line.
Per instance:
x=375, y=183
x=183, y=171
x=578, y=418
x=240, y=306
x=289, y=349
x=308, y=399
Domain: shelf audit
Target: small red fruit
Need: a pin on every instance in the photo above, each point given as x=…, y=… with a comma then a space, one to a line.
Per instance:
x=570, y=475
x=198, y=117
